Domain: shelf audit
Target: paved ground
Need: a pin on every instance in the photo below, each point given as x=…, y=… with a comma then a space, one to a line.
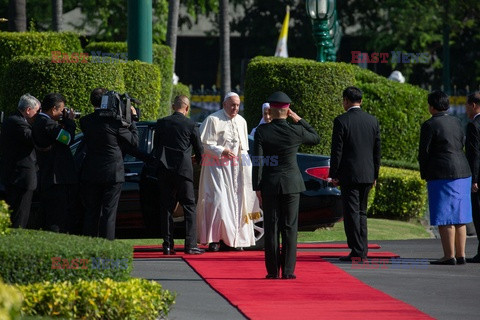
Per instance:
x=444, y=292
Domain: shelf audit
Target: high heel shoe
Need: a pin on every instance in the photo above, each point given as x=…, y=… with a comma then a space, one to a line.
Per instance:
x=461, y=260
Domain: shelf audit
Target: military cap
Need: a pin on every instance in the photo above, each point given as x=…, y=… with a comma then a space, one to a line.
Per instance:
x=279, y=97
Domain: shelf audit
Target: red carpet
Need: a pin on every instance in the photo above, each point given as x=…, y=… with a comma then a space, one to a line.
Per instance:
x=321, y=290
x=299, y=246
x=322, y=254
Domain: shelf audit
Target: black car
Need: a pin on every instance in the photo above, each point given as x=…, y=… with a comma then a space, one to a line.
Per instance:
x=137, y=214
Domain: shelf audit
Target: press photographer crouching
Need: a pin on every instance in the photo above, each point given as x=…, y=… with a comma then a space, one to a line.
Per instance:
x=53, y=132
x=109, y=127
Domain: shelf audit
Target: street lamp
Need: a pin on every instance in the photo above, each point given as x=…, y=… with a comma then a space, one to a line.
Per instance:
x=323, y=15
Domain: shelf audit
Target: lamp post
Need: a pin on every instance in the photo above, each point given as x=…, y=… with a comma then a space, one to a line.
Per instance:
x=324, y=27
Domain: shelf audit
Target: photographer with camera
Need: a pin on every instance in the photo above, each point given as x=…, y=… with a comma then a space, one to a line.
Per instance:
x=53, y=132
x=102, y=175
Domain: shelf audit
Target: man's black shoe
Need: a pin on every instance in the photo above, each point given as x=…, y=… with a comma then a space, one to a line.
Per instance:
x=194, y=251
x=289, y=276
x=168, y=252
x=345, y=258
x=214, y=247
x=475, y=259
x=271, y=276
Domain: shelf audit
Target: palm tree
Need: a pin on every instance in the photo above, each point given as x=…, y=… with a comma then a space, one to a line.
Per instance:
x=57, y=13
x=172, y=27
x=224, y=48
x=17, y=15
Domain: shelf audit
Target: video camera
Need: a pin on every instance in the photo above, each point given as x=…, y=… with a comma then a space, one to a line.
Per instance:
x=118, y=106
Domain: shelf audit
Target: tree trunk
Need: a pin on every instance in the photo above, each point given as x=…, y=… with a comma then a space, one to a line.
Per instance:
x=172, y=27
x=224, y=49
x=17, y=15
x=57, y=14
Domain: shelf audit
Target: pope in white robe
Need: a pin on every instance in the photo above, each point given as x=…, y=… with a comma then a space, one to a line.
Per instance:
x=227, y=205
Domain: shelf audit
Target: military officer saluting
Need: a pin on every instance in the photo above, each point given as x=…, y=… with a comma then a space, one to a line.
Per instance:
x=278, y=184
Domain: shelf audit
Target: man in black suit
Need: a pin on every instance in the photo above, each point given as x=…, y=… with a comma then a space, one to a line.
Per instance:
x=18, y=162
x=354, y=165
x=472, y=148
x=278, y=182
x=53, y=132
x=175, y=136
x=103, y=173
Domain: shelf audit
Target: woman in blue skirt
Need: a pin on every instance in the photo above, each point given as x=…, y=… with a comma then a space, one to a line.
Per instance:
x=445, y=167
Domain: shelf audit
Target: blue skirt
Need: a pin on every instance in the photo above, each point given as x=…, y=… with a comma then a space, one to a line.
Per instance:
x=449, y=201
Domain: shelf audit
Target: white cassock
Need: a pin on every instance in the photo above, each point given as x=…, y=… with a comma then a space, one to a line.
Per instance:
x=227, y=204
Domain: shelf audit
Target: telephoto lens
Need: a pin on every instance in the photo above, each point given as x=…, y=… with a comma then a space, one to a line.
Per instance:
x=66, y=111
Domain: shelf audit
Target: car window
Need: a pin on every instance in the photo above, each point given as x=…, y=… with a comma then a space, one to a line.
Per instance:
x=142, y=144
x=76, y=143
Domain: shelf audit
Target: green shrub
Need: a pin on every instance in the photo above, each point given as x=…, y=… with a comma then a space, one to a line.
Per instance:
x=143, y=81
x=103, y=299
x=5, y=221
x=75, y=81
x=15, y=44
x=29, y=256
x=162, y=57
x=401, y=164
x=181, y=89
x=316, y=91
x=400, y=109
x=10, y=302
x=400, y=194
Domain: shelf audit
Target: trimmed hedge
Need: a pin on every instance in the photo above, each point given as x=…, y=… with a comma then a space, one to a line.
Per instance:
x=103, y=299
x=5, y=221
x=10, y=301
x=15, y=44
x=400, y=108
x=400, y=194
x=144, y=81
x=29, y=256
x=162, y=57
x=316, y=91
x=181, y=89
x=75, y=81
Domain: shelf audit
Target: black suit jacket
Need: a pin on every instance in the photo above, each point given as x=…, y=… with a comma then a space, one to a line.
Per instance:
x=103, y=162
x=175, y=136
x=355, y=152
x=52, y=142
x=276, y=145
x=472, y=147
x=18, y=163
x=440, y=152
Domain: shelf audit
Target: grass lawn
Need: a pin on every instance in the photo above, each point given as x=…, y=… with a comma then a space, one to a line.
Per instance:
x=378, y=229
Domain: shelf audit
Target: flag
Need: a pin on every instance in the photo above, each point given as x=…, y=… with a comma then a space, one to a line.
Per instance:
x=281, y=50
